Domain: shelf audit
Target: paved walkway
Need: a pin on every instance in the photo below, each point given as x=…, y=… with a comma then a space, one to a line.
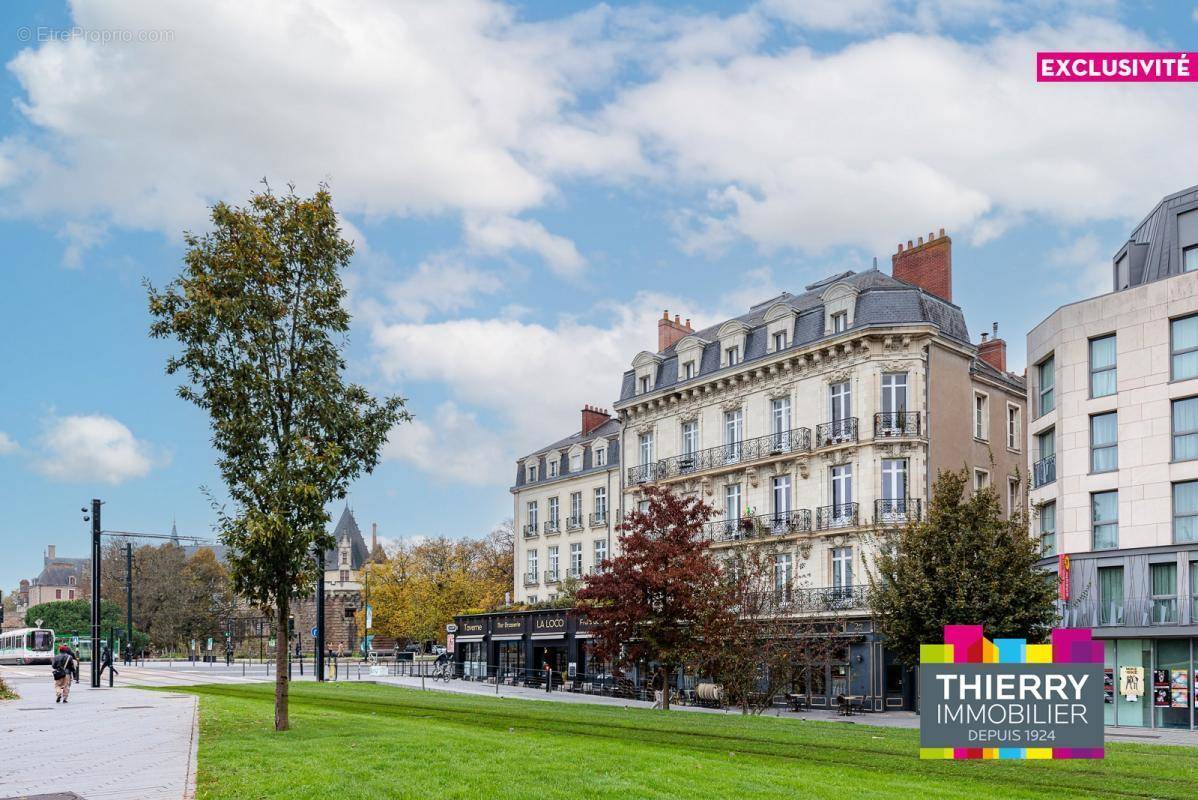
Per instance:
x=104, y=744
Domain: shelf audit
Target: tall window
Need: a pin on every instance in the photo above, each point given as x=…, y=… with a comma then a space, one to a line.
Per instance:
x=553, y=564
x=1048, y=380
x=1045, y=470
x=600, y=553
x=690, y=437
x=1164, y=592
x=1189, y=259
x=599, y=454
x=553, y=515
x=779, y=341
x=1185, y=429
x=1102, y=366
x=842, y=488
x=1048, y=529
x=781, y=496
x=1104, y=442
x=1013, y=504
x=646, y=446
x=894, y=394
x=1104, y=516
x=840, y=321
x=1014, y=428
x=644, y=384
x=780, y=415
x=576, y=507
x=732, y=355
x=1110, y=595
x=894, y=480
x=532, y=473
x=688, y=370
x=532, y=513
x=842, y=567
x=1184, y=345
x=841, y=400
x=553, y=465
x=981, y=416
x=981, y=479
x=783, y=573
x=575, y=559
x=601, y=504
x=533, y=568
x=734, y=432
x=1185, y=512
x=732, y=502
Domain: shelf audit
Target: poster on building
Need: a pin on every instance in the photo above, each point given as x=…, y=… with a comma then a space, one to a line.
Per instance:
x=1108, y=686
x=1179, y=686
x=1161, y=690
x=1131, y=683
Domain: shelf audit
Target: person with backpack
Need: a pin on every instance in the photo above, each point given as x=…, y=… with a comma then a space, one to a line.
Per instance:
x=106, y=662
x=62, y=667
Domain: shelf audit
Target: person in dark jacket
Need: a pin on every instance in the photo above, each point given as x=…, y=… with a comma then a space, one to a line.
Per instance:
x=106, y=663
x=63, y=668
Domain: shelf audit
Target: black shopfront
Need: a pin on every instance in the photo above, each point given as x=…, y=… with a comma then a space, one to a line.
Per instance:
x=522, y=647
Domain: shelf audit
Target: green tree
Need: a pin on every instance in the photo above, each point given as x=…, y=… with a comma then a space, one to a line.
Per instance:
x=74, y=618
x=258, y=312
x=964, y=564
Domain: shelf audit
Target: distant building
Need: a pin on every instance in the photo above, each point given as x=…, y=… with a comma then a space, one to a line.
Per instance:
x=59, y=579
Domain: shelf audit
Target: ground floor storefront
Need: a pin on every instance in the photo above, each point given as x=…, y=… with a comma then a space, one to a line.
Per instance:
x=553, y=649
x=1150, y=682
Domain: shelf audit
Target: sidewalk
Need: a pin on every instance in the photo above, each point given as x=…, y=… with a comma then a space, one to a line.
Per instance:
x=105, y=743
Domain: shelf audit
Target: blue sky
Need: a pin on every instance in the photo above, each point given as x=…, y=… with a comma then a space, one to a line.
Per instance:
x=528, y=187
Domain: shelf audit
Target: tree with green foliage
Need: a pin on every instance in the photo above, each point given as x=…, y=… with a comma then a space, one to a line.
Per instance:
x=74, y=618
x=964, y=564
x=259, y=314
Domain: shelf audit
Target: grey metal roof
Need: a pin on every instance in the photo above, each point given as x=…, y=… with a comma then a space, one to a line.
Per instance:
x=609, y=428
x=359, y=553
x=1153, y=249
x=59, y=572
x=881, y=300
x=984, y=368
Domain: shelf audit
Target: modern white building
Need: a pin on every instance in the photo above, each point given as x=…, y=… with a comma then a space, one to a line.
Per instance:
x=1113, y=455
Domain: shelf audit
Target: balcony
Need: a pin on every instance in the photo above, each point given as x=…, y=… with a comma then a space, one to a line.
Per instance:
x=530, y=530
x=838, y=431
x=1137, y=612
x=530, y=579
x=796, y=440
x=552, y=527
x=824, y=600
x=779, y=524
x=574, y=523
x=897, y=512
x=834, y=517
x=598, y=520
x=897, y=425
x=1044, y=471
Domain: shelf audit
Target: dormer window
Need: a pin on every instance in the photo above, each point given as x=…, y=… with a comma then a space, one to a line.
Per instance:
x=532, y=473
x=344, y=557
x=688, y=370
x=644, y=384
x=779, y=341
x=553, y=468
x=840, y=322
x=599, y=454
x=576, y=462
x=732, y=356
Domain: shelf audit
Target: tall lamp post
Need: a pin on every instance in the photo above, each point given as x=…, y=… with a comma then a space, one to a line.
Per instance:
x=95, y=520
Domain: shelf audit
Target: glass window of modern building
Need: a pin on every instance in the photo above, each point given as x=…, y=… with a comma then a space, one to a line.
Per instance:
x=1046, y=372
x=1183, y=339
x=1105, y=520
x=1185, y=512
x=1189, y=259
x=1104, y=442
x=1185, y=429
x=1164, y=593
x=1102, y=366
x=1048, y=529
x=1110, y=595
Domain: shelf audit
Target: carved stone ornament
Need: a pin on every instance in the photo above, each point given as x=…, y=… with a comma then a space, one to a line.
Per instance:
x=839, y=376
x=707, y=486
x=688, y=413
x=804, y=467
x=751, y=475
x=779, y=392
x=732, y=404
x=644, y=428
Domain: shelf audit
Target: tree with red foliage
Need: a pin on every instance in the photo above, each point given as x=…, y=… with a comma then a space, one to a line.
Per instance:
x=663, y=598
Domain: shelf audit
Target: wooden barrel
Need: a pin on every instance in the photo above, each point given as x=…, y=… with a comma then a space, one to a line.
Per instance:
x=709, y=692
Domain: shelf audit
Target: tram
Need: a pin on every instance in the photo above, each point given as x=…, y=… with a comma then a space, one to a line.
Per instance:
x=27, y=646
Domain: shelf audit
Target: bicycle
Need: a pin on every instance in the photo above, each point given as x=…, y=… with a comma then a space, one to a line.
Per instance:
x=443, y=671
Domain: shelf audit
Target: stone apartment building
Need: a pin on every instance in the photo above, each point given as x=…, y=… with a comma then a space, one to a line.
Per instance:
x=1113, y=455
x=58, y=580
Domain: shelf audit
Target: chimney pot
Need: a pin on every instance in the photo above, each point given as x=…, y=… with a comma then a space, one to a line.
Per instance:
x=942, y=231
x=676, y=319
x=984, y=337
x=920, y=239
x=909, y=245
x=995, y=329
x=665, y=314
x=688, y=323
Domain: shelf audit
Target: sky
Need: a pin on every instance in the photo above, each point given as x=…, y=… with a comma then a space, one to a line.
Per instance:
x=527, y=187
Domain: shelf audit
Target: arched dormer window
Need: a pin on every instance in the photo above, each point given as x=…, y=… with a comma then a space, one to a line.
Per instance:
x=689, y=351
x=779, y=327
x=840, y=306
x=733, y=336
x=645, y=366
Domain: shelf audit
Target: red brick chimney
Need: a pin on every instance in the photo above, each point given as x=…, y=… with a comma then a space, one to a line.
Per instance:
x=669, y=332
x=592, y=418
x=928, y=265
x=994, y=350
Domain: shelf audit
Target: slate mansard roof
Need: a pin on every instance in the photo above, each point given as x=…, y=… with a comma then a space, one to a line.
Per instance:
x=608, y=430
x=881, y=300
x=347, y=526
x=1154, y=248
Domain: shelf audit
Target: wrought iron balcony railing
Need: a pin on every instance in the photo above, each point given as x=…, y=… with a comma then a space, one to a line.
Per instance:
x=838, y=431
x=803, y=600
x=897, y=425
x=796, y=440
x=843, y=515
x=1044, y=471
x=530, y=579
x=530, y=530
x=897, y=512
x=778, y=524
x=598, y=519
x=574, y=523
x=552, y=526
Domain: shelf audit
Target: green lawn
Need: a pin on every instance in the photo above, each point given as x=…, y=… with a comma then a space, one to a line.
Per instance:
x=367, y=741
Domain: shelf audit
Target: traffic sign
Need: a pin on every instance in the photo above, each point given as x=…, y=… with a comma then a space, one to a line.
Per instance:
x=451, y=628
x=209, y=642
x=313, y=633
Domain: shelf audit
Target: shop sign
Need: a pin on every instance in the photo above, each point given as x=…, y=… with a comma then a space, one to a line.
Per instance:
x=507, y=625
x=980, y=697
x=474, y=627
x=1063, y=577
x=549, y=623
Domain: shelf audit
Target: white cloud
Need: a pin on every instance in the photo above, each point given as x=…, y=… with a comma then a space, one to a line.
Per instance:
x=454, y=446
x=1084, y=266
x=831, y=15
x=7, y=444
x=439, y=285
x=497, y=234
x=93, y=447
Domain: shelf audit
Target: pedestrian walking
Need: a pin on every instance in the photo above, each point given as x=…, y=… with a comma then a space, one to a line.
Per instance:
x=106, y=663
x=62, y=668
x=658, y=686
x=548, y=677
x=128, y=654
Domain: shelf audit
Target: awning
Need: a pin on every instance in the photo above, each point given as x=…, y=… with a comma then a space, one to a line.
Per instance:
x=584, y=635
x=509, y=637
x=468, y=639
x=548, y=636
